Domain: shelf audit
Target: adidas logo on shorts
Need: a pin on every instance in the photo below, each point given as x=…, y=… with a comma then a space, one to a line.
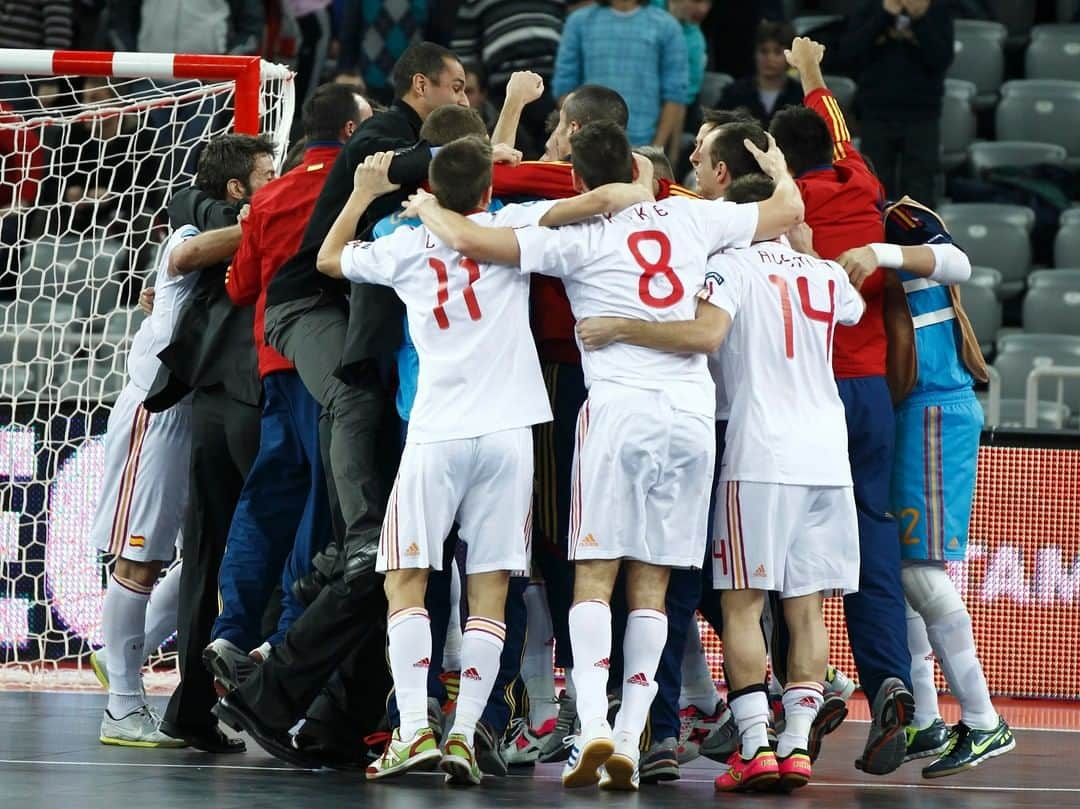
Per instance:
x=422, y=663
x=638, y=679
x=603, y=663
x=760, y=572
x=471, y=674
x=589, y=541
x=412, y=550
x=808, y=702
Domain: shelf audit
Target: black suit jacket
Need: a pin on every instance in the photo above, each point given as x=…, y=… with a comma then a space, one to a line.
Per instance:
x=744, y=93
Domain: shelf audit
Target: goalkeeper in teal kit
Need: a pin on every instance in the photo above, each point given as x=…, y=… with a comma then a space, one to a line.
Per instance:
x=933, y=363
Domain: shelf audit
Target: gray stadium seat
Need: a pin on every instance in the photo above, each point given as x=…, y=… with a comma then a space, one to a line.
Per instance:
x=994, y=235
x=1051, y=415
x=1067, y=240
x=843, y=88
x=978, y=57
x=15, y=382
x=1052, y=310
x=957, y=122
x=1054, y=53
x=1019, y=353
x=1062, y=278
x=995, y=154
x=806, y=23
x=979, y=296
x=85, y=273
x=1042, y=110
x=712, y=87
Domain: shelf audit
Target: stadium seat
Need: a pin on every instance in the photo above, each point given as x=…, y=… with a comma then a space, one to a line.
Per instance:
x=1052, y=310
x=1054, y=53
x=957, y=122
x=994, y=235
x=996, y=154
x=712, y=87
x=980, y=298
x=979, y=58
x=15, y=382
x=1019, y=353
x=843, y=88
x=1067, y=240
x=1062, y=278
x=1051, y=415
x=807, y=23
x=1042, y=110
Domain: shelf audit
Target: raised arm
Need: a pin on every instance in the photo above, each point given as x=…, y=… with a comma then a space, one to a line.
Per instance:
x=370, y=182
x=702, y=335
x=490, y=245
x=523, y=88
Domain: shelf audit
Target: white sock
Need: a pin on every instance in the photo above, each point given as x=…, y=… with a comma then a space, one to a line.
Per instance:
x=451, y=656
x=590, y=638
x=161, y=612
x=802, y=701
x=536, y=664
x=643, y=643
x=408, y=634
x=954, y=644
x=922, y=672
x=698, y=688
x=122, y=620
x=481, y=647
x=750, y=707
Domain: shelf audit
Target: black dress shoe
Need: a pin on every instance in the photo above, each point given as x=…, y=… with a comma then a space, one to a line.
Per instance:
x=209, y=740
x=233, y=712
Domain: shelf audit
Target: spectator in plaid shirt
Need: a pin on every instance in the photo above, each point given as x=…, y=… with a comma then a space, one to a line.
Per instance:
x=635, y=49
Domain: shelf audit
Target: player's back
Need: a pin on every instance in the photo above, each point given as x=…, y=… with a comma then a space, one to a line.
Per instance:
x=469, y=322
x=156, y=331
x=787, y=421
x=646, y=263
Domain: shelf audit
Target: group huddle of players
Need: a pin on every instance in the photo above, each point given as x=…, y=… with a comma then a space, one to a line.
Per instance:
x=738, y=421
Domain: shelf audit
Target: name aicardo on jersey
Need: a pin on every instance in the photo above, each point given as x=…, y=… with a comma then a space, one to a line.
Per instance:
x=469, y=321
x=646, y=262
x=787, y=421
x=170, y=293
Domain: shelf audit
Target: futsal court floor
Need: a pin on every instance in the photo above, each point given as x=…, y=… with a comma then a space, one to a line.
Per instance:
x=50, y=758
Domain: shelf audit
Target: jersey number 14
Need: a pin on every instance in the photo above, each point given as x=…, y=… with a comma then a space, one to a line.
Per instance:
x=825, y=316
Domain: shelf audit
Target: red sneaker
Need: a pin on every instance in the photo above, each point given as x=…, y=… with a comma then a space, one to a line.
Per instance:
x=758, y=773
x=795, y=770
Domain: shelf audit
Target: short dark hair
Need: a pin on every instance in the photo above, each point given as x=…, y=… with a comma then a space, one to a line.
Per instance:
x=551, y=123
x=328, y=109
x=778, y=31
x=450, y=122
x=600, y=154
x=591, y=103
x=460, y=173
x=661, y=164
x=803, y=137
x=728, y=147
x=750, y=188
x=422, y=57
x=721, y=117
x=229, y=157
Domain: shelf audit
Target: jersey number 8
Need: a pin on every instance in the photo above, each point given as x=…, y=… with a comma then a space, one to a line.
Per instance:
x=662, y=266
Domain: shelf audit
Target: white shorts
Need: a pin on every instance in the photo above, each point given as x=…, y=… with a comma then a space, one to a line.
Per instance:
x=484, y=484
x=641, y=479
x=144, y=495
x=796, y=540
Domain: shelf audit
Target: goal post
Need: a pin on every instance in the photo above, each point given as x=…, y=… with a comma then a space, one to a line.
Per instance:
x=92, y=147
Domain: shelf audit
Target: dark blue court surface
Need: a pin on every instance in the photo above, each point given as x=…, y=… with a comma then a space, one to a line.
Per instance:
x=50, y=757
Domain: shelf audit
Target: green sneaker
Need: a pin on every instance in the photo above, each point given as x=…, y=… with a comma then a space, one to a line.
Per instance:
x=971, y=748
x=459, y=761
x=97, y=665
x=929, y=742
x=418, y=752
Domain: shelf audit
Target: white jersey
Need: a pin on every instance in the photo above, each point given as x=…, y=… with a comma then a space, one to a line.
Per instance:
x=647, y=263
x=155, y=333
x=469, y=321
x=787, y=421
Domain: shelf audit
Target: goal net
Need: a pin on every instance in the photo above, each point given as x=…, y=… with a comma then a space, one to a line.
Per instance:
x=92, y=147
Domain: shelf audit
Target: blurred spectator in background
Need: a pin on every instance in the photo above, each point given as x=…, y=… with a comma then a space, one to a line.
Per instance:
x=373, y=35
x=501, y=36
x=898, y=51
x=770, y=88
x=21, y=169
x=727, y=29
x=476, y=90
x=661, y=165
x=637, y=50
x=690, y=14
x=313, y=19
x=186, y=26
x=36, y=24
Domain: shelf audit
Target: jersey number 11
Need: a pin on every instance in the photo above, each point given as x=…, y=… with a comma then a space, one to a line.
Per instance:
x=442, y=295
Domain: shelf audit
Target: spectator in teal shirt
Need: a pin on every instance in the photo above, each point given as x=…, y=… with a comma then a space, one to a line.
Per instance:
x=690, y=13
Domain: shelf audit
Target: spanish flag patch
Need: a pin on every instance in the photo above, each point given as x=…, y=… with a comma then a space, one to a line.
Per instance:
x=137, y=542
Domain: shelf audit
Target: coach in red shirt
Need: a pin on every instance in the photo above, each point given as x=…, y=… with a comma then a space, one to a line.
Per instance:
x=283, y=517
x=844, y=203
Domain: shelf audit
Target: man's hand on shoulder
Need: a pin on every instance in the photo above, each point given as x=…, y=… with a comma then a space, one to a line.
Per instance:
x=859, y=263
x=372, y=176
x=416, y=201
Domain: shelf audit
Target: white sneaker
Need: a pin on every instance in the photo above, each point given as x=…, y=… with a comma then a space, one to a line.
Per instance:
x=620, y=772
x=592, y=747
x=140, y=728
